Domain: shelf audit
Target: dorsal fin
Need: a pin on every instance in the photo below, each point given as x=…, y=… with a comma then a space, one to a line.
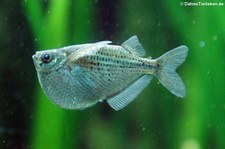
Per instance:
x=125, y=97
x=134, y=46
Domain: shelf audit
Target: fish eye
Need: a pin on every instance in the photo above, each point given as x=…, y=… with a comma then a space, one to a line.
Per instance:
x=46, y=58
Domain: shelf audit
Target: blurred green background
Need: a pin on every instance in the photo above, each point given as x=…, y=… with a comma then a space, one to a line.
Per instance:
x=156, y=119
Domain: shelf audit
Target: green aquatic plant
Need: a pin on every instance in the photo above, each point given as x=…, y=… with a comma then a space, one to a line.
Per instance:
x=53, y=27
x=154, y=122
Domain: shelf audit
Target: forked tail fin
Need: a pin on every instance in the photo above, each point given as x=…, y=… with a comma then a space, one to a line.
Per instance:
x=166, y=73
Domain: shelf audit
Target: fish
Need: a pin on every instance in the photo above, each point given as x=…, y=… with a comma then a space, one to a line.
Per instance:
x=79, y=76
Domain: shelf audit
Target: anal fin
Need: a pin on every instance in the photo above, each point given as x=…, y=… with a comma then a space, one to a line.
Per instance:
x=125, y=97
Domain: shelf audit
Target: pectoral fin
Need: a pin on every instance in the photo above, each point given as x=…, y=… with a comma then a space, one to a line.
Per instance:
x=123, y=98
x=73, y=56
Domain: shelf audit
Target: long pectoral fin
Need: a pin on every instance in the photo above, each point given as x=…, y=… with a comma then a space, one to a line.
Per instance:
x=73, y=56
x=126, y=96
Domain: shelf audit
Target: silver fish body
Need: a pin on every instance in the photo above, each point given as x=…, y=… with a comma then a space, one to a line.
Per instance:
x=77, y=77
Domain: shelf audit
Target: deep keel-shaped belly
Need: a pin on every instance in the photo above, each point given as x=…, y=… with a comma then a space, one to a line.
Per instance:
x=66, y=91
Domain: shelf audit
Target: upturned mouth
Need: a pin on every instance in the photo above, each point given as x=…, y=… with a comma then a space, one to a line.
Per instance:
x=34, y=57
x=35, y=61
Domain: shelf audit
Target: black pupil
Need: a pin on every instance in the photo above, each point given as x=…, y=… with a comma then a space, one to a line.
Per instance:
x=46, y=58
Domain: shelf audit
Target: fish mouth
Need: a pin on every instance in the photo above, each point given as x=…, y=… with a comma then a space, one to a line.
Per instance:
x=34, y=57
x=35, y=61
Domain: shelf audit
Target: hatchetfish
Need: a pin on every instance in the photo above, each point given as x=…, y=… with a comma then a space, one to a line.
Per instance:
x=79, y=76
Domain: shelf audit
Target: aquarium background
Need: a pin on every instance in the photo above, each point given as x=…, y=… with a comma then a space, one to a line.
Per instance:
x=156, y=119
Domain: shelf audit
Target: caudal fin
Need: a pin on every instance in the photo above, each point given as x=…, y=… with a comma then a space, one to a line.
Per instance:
x=166, y=72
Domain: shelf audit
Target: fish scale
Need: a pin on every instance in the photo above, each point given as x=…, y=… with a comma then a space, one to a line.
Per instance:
x=100, y=71
x=77, y=77
x=121, y=80
x=122, y=61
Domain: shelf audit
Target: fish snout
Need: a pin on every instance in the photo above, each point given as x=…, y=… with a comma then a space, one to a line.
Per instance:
x=35, y=61
x=34, y=57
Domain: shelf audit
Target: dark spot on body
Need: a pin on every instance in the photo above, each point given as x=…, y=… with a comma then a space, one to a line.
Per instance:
x=69, y=68
x=157, y=65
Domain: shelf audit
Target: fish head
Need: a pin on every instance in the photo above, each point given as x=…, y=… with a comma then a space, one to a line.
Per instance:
x=48, y=60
